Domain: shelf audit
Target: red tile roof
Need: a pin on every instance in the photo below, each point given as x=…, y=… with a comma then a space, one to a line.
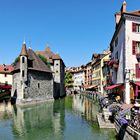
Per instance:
x=6, y=68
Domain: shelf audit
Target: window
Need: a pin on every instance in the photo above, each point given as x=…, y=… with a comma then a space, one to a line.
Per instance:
x=56, y=64
x=116, y=55
x=5, y=75
x=23, y=59
x=38, y=85
x=22, y=73
x=30, y=63
x=135, y=27
x=135, y=47
x=116, y=42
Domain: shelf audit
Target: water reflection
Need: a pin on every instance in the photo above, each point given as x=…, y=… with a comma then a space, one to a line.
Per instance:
x=73, y=118
x=85, y=106
x=40, y=121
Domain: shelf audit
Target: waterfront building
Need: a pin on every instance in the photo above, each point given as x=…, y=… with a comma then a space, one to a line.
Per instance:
x=125, y=53
x=105, y=71
x=78, y=78
x=32, y=78
x=58, y=67
x=6, y=74
x=88, y=76
x=96, y=71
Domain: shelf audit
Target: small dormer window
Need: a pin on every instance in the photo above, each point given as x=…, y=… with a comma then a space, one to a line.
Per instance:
x=23, y=59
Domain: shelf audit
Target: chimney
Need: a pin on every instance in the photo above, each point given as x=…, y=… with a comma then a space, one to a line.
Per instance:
x=123, y=8
x=117, y=17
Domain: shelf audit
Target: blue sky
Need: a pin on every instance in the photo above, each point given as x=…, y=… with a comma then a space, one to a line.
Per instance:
x=74, y=28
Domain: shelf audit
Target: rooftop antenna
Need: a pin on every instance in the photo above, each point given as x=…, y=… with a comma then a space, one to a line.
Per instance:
x=24, y=42
x=29, y=44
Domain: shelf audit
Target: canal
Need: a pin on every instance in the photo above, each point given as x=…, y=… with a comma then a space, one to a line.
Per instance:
x=72, y=118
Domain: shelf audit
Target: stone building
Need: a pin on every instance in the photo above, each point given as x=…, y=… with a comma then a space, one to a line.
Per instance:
x=58, y=68
x=32, y=78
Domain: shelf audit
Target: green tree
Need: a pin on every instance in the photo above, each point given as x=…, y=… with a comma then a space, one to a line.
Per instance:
x=15, y=61
x=44, y=60
x=68, y=80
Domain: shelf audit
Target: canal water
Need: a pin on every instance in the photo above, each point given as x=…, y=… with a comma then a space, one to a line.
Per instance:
x=72, y=118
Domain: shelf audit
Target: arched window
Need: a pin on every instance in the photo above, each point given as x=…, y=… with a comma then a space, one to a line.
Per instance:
x=23, y=59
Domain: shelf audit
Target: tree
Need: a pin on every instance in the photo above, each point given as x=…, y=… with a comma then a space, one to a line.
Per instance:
x=15, y=61
x=68, y=80
x=44, y=60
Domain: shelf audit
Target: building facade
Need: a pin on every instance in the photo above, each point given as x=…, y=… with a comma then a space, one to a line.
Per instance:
x=125, y=49
x=96, y=72
x=6, y=74
x=105, y=71
x=88, y=76
x=58, y=67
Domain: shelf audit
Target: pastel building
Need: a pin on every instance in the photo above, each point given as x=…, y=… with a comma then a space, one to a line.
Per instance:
x=125, y=49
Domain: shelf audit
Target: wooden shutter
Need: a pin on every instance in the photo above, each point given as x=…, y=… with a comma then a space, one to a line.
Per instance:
x=137, y=71
x=134, y=47
x=133, y=27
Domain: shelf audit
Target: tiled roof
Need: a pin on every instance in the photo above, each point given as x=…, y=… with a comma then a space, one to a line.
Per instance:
x=48, y=54
x=37, y=63
x=6, y=68
x=56, y=56
x=135, y=13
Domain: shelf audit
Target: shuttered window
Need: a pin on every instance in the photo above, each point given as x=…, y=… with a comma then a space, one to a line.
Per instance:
x=134, y=47
x=133, y=27
x=137, y=71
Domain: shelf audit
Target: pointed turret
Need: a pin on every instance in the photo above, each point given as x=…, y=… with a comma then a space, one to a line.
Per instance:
x=24, y=50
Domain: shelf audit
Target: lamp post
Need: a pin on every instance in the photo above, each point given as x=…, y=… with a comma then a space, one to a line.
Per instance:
x=127, y=86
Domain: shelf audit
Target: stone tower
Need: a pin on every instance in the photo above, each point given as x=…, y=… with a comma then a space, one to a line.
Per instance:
x=23, y=70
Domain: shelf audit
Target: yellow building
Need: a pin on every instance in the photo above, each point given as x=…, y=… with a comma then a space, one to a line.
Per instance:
x=105, y=71
x=96, y=71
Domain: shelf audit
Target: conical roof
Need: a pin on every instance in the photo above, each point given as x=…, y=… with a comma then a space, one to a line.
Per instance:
x=24, y=50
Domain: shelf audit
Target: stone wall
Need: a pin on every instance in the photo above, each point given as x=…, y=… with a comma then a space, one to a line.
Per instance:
x=17, y=85
x=62, y=78
x=40, y=85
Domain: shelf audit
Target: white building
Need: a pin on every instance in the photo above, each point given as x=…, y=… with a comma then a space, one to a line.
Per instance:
x=6, y=74
x=78, y=79
x=125, y=47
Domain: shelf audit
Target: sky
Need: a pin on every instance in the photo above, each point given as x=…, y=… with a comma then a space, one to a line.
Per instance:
x=73, y=28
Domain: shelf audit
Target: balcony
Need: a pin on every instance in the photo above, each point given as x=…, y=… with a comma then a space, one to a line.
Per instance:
x=114, y=63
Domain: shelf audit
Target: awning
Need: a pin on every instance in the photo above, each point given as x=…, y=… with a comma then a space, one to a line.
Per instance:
x=137, y=83
x=93, y=86
x=5, y=87
x=113, y=86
